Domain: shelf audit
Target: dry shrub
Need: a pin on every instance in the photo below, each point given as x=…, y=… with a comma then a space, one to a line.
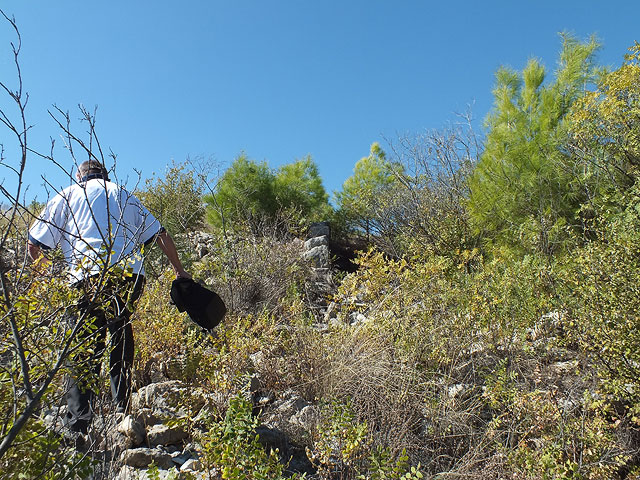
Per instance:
x=262, y=281
x=291, y=358
x=254, y=273
x=170, y=346
x=439, y=418
x=386, y=394
x=429, y=343
x=159, y=329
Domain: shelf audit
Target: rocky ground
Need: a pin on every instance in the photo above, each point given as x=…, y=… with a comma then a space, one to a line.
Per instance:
x=168, y=416
x=165, y=420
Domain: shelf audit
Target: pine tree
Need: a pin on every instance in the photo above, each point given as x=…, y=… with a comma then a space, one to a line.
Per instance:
x=251, y=192
x=521, y=187
x=362, y=197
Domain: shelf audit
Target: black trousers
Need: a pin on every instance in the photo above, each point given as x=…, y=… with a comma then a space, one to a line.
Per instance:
x=108, y=310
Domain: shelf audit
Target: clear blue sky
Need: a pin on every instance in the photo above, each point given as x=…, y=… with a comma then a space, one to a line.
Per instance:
x=278, y=79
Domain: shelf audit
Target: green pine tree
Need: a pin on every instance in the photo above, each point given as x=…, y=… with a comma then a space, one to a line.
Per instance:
x=521, y=190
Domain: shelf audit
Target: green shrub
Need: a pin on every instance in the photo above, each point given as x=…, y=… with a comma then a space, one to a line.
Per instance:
x=36, y=342
x=508, y=295
x=39, y=453
x=158, y=327
x=552, y=441
x=231, y=446
x=176, y=198
x=343, y=449
x=603, y=299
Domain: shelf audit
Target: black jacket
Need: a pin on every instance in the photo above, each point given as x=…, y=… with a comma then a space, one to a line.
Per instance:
x=205, y=307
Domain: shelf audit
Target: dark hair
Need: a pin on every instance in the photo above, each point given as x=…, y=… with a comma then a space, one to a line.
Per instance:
x=92, y=169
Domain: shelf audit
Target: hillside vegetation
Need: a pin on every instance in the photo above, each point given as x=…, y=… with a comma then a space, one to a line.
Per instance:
x=487, y=330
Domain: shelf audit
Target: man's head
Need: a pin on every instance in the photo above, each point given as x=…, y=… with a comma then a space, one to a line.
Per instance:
x=91, y=169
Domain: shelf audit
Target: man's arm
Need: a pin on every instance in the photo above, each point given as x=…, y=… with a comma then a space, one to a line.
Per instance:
x=165, y=242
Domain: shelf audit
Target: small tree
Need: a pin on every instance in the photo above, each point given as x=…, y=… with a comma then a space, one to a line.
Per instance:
x=604, y=128
x=362, y=199
x=245, y=192
x=175, y=199
x=521, y=184
x=298, y=186
x=251, y=192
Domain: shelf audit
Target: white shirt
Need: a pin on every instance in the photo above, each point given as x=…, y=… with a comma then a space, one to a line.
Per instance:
x=94, y=222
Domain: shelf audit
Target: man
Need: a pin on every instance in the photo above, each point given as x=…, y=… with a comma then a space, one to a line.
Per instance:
x=101, y=229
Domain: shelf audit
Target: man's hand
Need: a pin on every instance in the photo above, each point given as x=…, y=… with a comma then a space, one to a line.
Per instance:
x=40, y=262
x=183, y=274
x=34, y=251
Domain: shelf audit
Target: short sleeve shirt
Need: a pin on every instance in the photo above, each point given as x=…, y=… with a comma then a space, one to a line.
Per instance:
x=96, y=224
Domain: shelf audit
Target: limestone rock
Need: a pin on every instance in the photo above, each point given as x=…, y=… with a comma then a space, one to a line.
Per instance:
x=306, y=418
x=257, y=360
x=336, y=323
x=316, y=242
x=179, y=458
x=290, y=405
x=459, y=390
x=157, y=396
x=357, y=318
x=319, y=229
x=560, y=369
x=133, y=429
x=143, y=457
x=164, y=435
x=201, y=243
x=193, y=465
x=147, y=417
x=318, y=256
x=131, y=473
x=169, y=399
x=285, y=415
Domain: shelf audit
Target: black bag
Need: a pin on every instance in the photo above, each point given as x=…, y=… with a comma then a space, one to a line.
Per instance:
x=205, y=307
